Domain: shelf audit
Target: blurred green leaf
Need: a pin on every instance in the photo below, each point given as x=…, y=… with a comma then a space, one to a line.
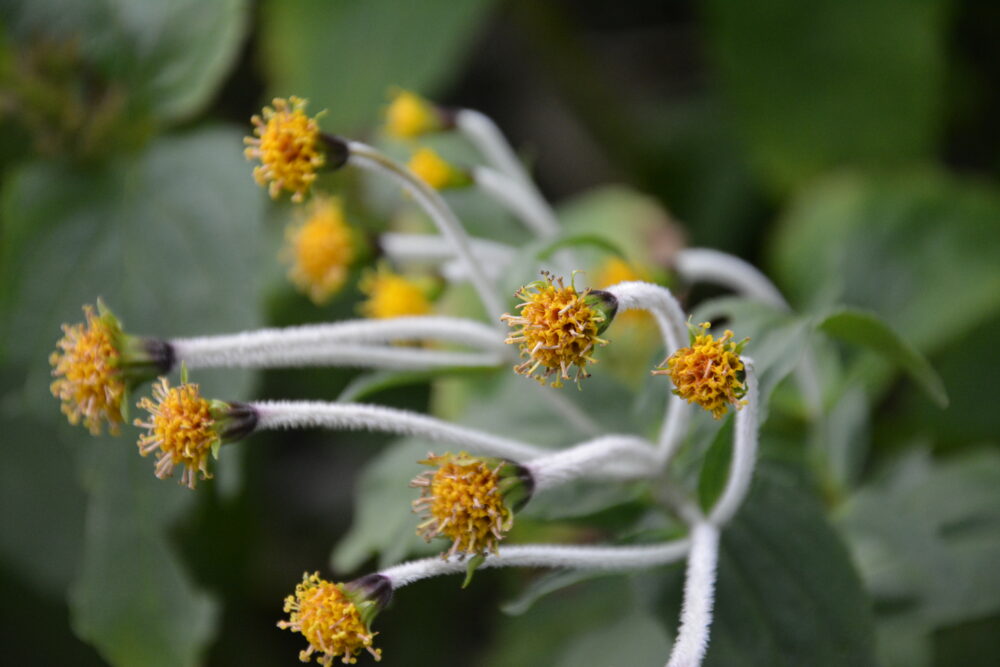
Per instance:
x=345, y=55
x=132, y=599
x=169, y=238
x=926, y=540
x=639, y=640
x=715, y=470
x=383, y=524
x=918, y=249
x=830, y=82
x=787, y=593
x=867, y=330
x=169, y=57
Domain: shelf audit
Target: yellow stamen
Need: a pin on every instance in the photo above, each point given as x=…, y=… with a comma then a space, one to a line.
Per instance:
x=709, y=372
x=321, y=250
x=287, y=143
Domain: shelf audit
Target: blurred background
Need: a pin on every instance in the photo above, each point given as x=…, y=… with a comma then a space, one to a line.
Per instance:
x=844, y=146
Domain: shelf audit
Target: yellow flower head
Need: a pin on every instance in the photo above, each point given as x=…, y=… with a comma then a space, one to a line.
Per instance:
x=333, y=618
x=559, y=328
x=616, y=270
x=709, y=372
x=470, y=501
x=432, y=169
x=321, y=250
x=409, y=115
x=87, y=364
x=391, y=295
x=289, y=146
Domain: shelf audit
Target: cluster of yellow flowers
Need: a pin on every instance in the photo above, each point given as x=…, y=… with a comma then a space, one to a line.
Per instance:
x=467, y=500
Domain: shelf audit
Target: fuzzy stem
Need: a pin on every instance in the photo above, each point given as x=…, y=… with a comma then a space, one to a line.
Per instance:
x=268, y=346
x=277, y=415
x=699, y=596
x=744, y=452
x=703, y=264
x=433, y=248
x=670, y=318
x=599, y=558
x=366, y=157
x=480, y=129
x=611, y=456
x=522, y=201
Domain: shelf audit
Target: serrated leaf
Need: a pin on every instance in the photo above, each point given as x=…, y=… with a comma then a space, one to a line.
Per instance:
x=867, y=330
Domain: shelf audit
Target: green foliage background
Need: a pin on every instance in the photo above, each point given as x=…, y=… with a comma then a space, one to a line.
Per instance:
x=847, y=147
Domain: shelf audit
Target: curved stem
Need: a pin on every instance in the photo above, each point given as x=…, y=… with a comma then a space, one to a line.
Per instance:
x=433, y=248
x=612, y=456
x=599, y=558
x=672, y=322
x=699, y=596
x=523, y=202
x=744, y=452
x=277, y=415
x=484, y=134
x=366, y=157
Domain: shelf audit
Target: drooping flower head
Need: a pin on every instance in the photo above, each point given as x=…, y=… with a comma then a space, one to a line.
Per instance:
x=409, y=115
x=184, y=429
x=96, y=364
x=709, y=372
x=433, y=170
x=559, y=328
x=470, y=501
x=391, y=295
x=336, y=618
x=321, y=249
x=290, y=148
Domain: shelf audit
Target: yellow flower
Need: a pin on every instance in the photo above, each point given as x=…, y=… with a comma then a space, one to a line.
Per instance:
x=321, y=250
x=409, y=115
x=469, y=501
x=432, y=169
x=333, y=618
x=87, y=363
x=391, y=295
x=709, y=372
x=182, y=427
x=559, y=328
x=289, y=147
x=616, y=270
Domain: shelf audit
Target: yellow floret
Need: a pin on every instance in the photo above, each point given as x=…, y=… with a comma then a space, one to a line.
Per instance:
x=323, y=613
x=409, y=115
x=433, y=170
x=181, y=427
x=288, y=145
x=709, y=372
x=321, y=250
x=391, y=295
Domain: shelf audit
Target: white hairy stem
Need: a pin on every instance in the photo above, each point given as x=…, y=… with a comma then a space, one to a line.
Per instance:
x=484, y=134
x=744, y=457
x=704, y=264
x=347, y=355
x=620, y=457
x=699, y=596
x=672, y=322
x=434, y=249
x=279, y=415
x=598, y=558
x=366, y=157
x=267, y=345
x=524, y=202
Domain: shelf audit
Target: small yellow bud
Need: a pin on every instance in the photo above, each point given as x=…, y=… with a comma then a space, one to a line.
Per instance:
x=433, y=170
x=391, y=295
x=409, y=115
x=320, y=249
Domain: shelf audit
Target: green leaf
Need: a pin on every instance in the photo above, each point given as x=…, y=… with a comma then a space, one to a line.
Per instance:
x=867, y=330
x=169, y=238
x=170, y=57
x=804, y=104
x=787, y=593
x=132, y=599
x=915, y=248
x=715, y=470
x=383, y=523
x=926, y=540
x=580, y=240
x=345, y=55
